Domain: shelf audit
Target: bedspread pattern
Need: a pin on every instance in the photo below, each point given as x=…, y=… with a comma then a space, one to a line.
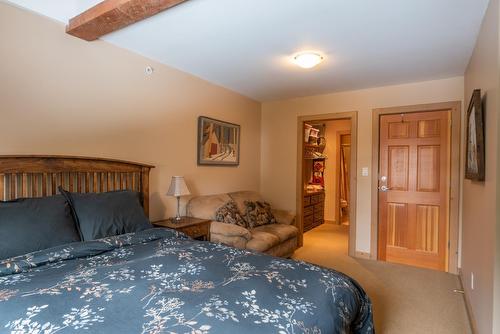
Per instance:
x=160, y=281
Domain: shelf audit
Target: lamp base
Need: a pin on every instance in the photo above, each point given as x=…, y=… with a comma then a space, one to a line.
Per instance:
x=178, y=215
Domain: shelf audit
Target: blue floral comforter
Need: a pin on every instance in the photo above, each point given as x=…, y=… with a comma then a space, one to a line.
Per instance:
x=160, y=281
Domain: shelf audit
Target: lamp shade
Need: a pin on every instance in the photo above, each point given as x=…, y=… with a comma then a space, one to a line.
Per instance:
x=178, y=187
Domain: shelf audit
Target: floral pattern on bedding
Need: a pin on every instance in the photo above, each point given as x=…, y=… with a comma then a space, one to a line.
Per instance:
x=160, y=281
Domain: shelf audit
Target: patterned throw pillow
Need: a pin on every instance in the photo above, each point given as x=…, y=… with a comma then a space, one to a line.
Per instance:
x=229, y=214
x=258, y=214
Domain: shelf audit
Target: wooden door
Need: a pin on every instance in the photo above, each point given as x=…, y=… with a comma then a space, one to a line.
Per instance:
x=414, y=186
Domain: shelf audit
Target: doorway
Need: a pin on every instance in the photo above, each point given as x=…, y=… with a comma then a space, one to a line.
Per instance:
x=417, y=185
x=343, y=187
x=326, y=169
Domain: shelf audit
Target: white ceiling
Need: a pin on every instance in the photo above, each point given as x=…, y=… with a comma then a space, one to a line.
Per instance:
x=246, y=45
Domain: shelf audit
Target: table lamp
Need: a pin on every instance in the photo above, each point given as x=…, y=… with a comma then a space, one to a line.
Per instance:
x=178, y=188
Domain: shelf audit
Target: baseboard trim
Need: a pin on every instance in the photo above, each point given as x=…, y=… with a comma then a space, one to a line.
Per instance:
x=468, y=307
x=362, y=255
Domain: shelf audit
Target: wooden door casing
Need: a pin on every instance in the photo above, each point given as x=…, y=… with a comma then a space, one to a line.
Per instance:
x=414, y=211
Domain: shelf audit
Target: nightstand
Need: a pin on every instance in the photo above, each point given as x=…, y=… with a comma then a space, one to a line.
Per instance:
x=196, y=228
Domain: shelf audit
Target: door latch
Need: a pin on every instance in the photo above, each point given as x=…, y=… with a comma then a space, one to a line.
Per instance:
x=383, y=188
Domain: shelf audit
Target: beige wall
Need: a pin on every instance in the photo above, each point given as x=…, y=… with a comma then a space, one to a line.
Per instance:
x=61, y=95
x=279, y=137
x=331, y=151
x=480, y=199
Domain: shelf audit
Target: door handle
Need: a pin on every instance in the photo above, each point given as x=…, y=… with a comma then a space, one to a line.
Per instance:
x=384, y=188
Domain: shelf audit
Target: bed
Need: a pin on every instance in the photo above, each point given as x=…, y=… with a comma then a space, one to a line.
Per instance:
x=158, y=280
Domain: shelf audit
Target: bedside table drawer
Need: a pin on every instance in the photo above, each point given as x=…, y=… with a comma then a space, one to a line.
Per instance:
x=197, y=231
x=196, y=228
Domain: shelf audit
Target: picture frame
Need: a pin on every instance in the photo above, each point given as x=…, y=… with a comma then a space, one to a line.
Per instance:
x=218, y=142
x=475, y=149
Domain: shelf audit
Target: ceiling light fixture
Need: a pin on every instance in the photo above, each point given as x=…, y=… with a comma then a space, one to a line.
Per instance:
x=308, y=59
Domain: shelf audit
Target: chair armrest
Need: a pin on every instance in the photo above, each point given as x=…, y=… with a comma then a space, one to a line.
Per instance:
x=284, y=217
x=229, y=230
x=228, y=234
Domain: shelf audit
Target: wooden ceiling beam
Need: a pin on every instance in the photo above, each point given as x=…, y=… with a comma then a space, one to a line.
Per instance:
x=111, y=15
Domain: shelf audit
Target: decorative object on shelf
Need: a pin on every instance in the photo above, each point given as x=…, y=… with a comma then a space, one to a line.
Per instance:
x=315, y=150
x=311, y=134
x=311, y=188
x=309, y=151
x=307, y=130
x=312, y=154
x=318, y=172
x=317, y=155
x=318, y=178
x=218, y=142
x=474, y=162
x=178, y=188
x=319, y=166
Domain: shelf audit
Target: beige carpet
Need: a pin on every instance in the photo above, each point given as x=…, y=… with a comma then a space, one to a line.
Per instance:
x=406, y=300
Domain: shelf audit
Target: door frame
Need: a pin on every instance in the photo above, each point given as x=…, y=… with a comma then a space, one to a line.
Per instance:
x=454, y=192
x=339, y=135
x=353, y=117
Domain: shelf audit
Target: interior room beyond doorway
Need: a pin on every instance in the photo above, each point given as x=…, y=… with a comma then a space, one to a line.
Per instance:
x=326, y=178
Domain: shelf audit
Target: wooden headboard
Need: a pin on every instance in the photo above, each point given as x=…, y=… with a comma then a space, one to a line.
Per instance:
x=41, y=175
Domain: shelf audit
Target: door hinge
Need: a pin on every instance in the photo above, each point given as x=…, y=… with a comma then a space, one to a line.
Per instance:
x=448, y=244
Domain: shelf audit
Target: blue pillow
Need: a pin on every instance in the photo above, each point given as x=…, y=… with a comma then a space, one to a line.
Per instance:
x=101, y=215
x=32, y=224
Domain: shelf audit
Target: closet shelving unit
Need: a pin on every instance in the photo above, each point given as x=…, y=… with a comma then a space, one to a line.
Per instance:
x=314, y=166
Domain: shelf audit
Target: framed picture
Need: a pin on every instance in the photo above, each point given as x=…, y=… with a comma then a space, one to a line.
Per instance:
x=218, y=142
x=474, y=159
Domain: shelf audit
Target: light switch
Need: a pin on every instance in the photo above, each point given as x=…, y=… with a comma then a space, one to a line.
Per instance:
x=364, y=171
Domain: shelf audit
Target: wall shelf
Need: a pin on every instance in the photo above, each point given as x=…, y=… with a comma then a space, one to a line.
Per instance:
x=314, y=201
